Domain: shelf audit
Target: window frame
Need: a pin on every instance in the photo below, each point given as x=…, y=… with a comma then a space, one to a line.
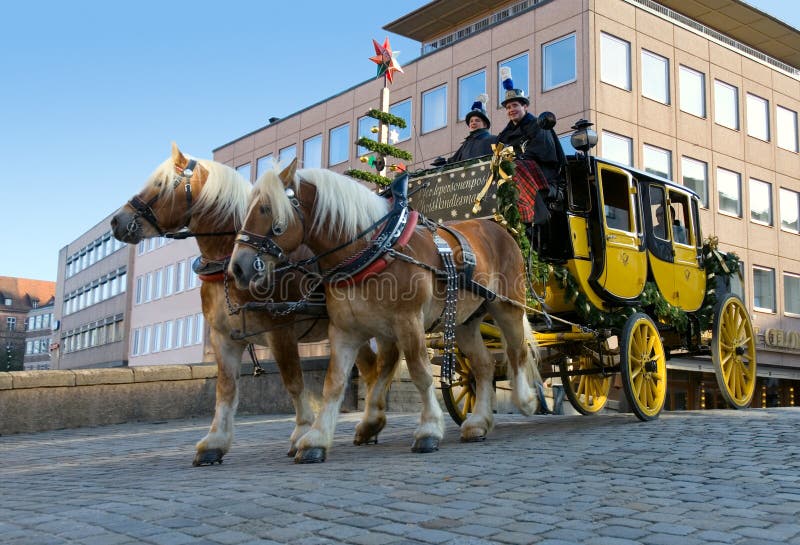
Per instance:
x=703, y=196
x=750, y=99
x=780, y=136
x=781, y=193
x=465, y=96
x=620, y=138
x=403, y=134
x=682, y=69
x=757, y=308
x=284, y=160
x=757, y=183
x=308, y=150
x=605, y=68
x=573, y=37
x=739, y=194
x=333, y=136
x=657, y=150
x=786, y=293
x=426, y=108
x=515, y=75
x=737, y=121
x=646, y=77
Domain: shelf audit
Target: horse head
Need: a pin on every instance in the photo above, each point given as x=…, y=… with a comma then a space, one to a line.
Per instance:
x=273, y=227
x=164, y=204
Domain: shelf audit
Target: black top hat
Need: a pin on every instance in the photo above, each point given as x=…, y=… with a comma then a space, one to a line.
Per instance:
x=512, y=94
x=479, y=110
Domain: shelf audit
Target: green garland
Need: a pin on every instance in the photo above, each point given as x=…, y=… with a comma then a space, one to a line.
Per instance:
x=383, y=149
x=387, y=118
x=376, y=179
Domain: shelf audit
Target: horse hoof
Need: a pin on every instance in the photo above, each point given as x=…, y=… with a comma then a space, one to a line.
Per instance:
x=474, y=439
x=208, y=457
x=292, y=452
x=313, y=455
x=425, y=444
x=372, y=440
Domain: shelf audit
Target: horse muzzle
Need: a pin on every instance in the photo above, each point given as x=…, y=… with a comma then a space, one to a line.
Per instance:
x=250, y=270
x=126, y=228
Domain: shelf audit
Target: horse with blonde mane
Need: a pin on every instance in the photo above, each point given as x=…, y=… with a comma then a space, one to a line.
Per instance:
x=339, y=219
x=210, y=199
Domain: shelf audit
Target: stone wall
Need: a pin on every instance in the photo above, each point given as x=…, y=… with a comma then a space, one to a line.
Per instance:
x=32, y=401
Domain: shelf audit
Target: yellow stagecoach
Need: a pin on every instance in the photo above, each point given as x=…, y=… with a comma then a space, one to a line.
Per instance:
x=621, y=281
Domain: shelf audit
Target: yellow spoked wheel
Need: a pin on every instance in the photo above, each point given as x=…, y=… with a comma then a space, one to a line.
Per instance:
x=643, y=367
x=459, y=396
x=587, y=393
x=733, y=351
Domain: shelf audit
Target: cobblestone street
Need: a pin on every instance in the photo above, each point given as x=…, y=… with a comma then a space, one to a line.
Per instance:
x=687, y=478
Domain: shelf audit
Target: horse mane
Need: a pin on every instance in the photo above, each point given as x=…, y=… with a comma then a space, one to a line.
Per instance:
x=343, y=205
x=224, y=196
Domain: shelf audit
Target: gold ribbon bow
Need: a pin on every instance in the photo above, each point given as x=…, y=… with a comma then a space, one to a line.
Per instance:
x=500, y=154
x=713, y=243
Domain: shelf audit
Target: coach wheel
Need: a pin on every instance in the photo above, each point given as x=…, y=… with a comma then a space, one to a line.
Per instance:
x=733, y=351
x=459, y=396
x=587, y=393
x=643, y=366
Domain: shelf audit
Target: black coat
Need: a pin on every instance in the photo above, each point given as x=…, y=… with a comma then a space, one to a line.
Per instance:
x=532, y=142
x=477, y=144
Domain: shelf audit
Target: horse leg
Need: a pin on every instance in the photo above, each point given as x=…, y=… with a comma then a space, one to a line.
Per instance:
x=521, y=358
x=378, y=378
x=284, y=347
x=431, y=426
x=470, y=342
x=314, y=445
x=217, y=442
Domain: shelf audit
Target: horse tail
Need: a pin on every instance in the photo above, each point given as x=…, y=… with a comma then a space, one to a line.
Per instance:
x=532, y=355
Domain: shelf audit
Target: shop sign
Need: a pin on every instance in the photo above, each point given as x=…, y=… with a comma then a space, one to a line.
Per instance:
x=778, y=338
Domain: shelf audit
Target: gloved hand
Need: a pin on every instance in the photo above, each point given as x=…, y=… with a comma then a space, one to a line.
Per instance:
x=439, y=161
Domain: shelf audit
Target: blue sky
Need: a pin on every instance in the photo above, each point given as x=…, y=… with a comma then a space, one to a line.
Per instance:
x=93, y=93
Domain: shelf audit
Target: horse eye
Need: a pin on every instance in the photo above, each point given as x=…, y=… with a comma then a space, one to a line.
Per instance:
x=265, y=209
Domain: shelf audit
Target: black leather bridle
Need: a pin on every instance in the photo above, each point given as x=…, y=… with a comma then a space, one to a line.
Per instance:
x=145, y=209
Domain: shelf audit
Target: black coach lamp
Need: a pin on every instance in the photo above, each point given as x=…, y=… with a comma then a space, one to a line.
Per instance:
x=584, y=138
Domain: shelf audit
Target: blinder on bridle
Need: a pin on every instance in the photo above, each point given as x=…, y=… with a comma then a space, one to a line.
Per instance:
x=265, y=244
x=145, y=209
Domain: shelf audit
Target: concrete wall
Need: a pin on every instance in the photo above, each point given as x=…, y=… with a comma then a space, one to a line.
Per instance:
x=32, y=401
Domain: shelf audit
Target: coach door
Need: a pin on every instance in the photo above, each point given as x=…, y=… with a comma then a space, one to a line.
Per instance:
x=623, y=270
x=674, y=247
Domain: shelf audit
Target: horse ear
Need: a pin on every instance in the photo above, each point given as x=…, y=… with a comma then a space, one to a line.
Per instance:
x=287, y=174
x=178, y=158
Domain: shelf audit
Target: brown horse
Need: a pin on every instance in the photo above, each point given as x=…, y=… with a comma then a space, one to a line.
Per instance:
x=335, y=217
x=210, y=199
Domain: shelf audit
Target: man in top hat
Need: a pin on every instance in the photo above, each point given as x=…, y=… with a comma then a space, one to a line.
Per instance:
x=479, y=140
x=536, y=155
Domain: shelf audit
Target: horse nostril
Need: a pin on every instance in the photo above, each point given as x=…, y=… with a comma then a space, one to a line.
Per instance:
x=114, y=222
x=237, y=270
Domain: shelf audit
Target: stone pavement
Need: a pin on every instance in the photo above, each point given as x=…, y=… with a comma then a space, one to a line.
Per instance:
x=687, y=478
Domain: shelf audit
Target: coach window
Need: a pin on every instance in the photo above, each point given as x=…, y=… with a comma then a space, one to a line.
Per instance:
x=469, y=88
x=558, y=62
x=434, y=109
x=402, y=110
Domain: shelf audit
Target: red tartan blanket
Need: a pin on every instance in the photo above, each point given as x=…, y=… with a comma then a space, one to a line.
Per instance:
x=530, y=181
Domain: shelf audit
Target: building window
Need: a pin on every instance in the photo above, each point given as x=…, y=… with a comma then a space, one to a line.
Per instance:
x=139, y=290
x=188, y=330
x=760, y=201
x=469, y=88
x=198, y=328
x=790, y=210
x=566, y=144
x=312, y=152
x=169, y=272
x=180, y=276
x=263, y=164
x=657, y=161
x=167, y=335
x=339, y=144
x=519, y=75
x=244, y=171
x=146, y=338
x=401, y=109
x=11, y=323
x=726, y=105
x=729, y=188
x=286, y=155
x=655, y=77
x=148, y=287
x=157, y=338
x=558, y=63
x=615, y=61
x=692, y=91
x=434, y=109
x=157, y=280
x=786, y=121
x=764, y=289
x=791, y=294
x=617, y=148
x=757, y=117
x=365, y=125
x=135, y=342
x=695, y=177
x=178, y=332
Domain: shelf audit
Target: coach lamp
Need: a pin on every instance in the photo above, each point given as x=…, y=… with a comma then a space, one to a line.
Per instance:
x=584, y=138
